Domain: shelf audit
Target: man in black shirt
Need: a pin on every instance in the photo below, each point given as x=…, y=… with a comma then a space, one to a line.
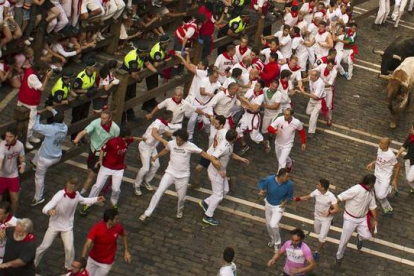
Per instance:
x=20, y=250
x=409, y=158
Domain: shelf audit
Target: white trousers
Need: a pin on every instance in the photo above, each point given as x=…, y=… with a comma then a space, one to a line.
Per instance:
x=194, y=118
x=250, y=122
x=114, y=9
x=166, y=181
x=97, y=269
x=321, y=227
x=302, y=60
x=313, y=110
x=329, y=101
x=384, y=10
x=101, y=179
x=273, y=217
x=399, y=8
x=148, y=168
x=220, y=187
x=382, y=189
x=311, y=54
x=349, y=226
x=282, y=154
x=267, y=120
x=32, y=117
x=42, y=164
x=346, y=57
x=67, y=239
x=61, y=21
x=411, y=6
x=409, y=173
x=75, y=12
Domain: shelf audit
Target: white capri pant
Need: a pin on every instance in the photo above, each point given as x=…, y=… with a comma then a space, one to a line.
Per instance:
x=321, y=227
x=267, y=120
x=382, y=189
x=148, y=168
x=313, y=110
x=384, y=10
x=273, y=217
x=194, y=118
x=42, y=164
x=282, y=154
x=103, y=175
x=349, y=226
x=166, y=181
x=67, y=239
x=347, y=58
x=32, y=117
x=220, y=187
x=250, y=122
x=329, y=101
x=97, y=269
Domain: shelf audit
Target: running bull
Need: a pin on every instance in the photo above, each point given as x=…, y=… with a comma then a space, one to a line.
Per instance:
x=399, y=88
x=395, y=54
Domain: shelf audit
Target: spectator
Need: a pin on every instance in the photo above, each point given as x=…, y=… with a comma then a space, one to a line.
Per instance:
x=11, y=31
x=113, y=9
x=61, y=47
x=107, y=80
x=30, y=94
x=9, y=73
x=207, y=29
x=20, y=251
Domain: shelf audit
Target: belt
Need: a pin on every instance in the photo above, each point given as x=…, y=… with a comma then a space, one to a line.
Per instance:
x=250, y=112
x=353, y=215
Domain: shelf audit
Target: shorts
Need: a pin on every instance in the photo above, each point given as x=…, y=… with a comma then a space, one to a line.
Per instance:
x=91, y=162
x=204, y=162
x=9, y=184
x=90, y=5
x=98, y=104
x=26, y=14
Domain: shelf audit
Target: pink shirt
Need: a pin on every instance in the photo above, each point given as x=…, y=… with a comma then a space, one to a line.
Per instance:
x=296, y=257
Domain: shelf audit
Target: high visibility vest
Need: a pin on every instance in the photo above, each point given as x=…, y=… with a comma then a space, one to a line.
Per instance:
x=157, y=54
x=87, y=81
x=60, y=85
x=133, y=55
x=239, y=3
x=241, y=26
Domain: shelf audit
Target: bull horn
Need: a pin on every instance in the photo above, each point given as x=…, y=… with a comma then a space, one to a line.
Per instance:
x=384, y=77
x=379, y=52
x=396, y=57
x=404, y=84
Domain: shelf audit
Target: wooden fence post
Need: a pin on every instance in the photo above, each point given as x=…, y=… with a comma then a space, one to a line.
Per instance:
x=115, y=30
x=21, y=116
x=260, y=26
x=118, y=97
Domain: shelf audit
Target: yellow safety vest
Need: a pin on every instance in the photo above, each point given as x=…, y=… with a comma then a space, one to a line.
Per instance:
x=133, y=55
x=157, y=54
x=239, y=3
x=60, y=85
x=87, y=81
x=241, y=26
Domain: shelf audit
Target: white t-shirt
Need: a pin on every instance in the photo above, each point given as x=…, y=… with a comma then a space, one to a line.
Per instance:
x=195, y=84
x=312, y=31
x=228, y=81
x=358, y=201
x=384, y=165
x=58, y=48
x=239, y=56
x=149, y=139
x=179, y=165
x=228, y=270
x=266, y=52
x=296, y=75
x=319, y=50
x=223, y=153
x=309, y=14
x=285, y=131
x=208, y=88
x=9, y=155
x=286, y=41
x=285, y=100
x=297, y=45
x=222, y=103
x=222, y=63
x=254, y=99
x=245, y=70
x=107, y=80
x=218, y=138
x=344, y=17
x=178, y=110
x=289, y=20
x=276, y=98
x=317, y=88
x=339, y=46
x=323, y=203
x=331, y=77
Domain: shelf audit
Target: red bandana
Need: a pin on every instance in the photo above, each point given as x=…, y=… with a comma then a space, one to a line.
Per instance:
x=11, y=145
x=323, y=11
x=284, y=84
x=226, y=55
x=227, y=94
x=349, y=33
x=364, y=186
x=294, y=69
x=28, y=238
x=243, y=50
x=258, y=93
x=163, y=121
x=177, y=102
x=71, y=195
x=107, y=127
x=321, y=32
x=326, y=72
x=410, y=138
x=311, y=6
x=294, y=14
x=242, y=65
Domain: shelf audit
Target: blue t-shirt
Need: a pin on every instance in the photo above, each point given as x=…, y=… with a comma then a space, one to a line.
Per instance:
x=276, y=192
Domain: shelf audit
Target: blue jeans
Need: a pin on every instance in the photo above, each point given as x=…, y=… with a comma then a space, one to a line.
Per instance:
x=206, y=45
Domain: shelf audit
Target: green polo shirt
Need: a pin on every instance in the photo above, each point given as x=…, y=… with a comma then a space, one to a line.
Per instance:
x=99, y=136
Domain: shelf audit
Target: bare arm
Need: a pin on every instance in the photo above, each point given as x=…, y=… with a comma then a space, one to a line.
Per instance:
x=160, y=154
x=79, y=136
x=127, y=256
x=157, y=137
x=86, y=247
x=14, y=263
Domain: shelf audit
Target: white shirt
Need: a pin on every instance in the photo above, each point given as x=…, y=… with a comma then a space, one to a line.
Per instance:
x=331, y=77
x=317, y=88
x=285, y=131
x=297, y=45
x=65, y=208
x=296, y=75
x=238, y=56
x=9, y=155
x=303, y=26
x=289, y=20
x=58, y=48
x=358, y=201
x=179, y=165
x=344, y=17
x=319, y=50
x=254, y=99
x=245, y=70
x=222, y=103
x=276, y=98
x=339, y=46
x=149, y=139
x=195, y=84
x=223, y=153
x=266, y=52
x=285, y=100
x=323, y=203
x=228, y=81
x=178, y=110
x=228, y=270
x=208, y=88
x=222, y=63
x=218, y=138
x=312, y=31
x=286, y=41
x=309, y=15
x=9, y=223
x=384, y=165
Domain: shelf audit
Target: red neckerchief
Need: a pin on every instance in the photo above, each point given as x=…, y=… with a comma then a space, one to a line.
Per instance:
x=294, y=14
x=177, y=102
x=313, y=22
x=163, y=121
x=29, y=237
x=410, y=138
x=364, y=186
x=297, y=35
x=273, y=51
x=11, y=145
x=326, y=72
x=107, y=127
x=8, y=218
x=83, y=273
x=227, y=94
x=71, y=195
x=284, y=84
x=323, y=11
x=226, y=55
x=311, y=7
x=259, y=93
x=243, y=50
x=321, y=33
x=242, y=65
x=296, y=68
x=349, y=33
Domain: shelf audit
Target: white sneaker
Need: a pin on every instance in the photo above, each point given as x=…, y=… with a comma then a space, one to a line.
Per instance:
x=349, y=77
x=30, y=38
x=148, y=186
x=180, y=213
x=138, y=191
x=27, y=42
x=100, y=36
x=270, y=244
x=29, y=146
x=143, y=217
x=37, y=202
x=35, y=140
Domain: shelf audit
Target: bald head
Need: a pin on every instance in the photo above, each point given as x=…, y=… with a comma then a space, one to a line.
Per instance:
x=384, y=143
x=247, y=60
x=254, y=73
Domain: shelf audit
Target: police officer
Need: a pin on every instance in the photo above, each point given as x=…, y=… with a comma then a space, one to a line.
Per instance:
x=85, y=83
x=134, y=62
x=237, y=6
x=235, y=28
x=157, y=56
